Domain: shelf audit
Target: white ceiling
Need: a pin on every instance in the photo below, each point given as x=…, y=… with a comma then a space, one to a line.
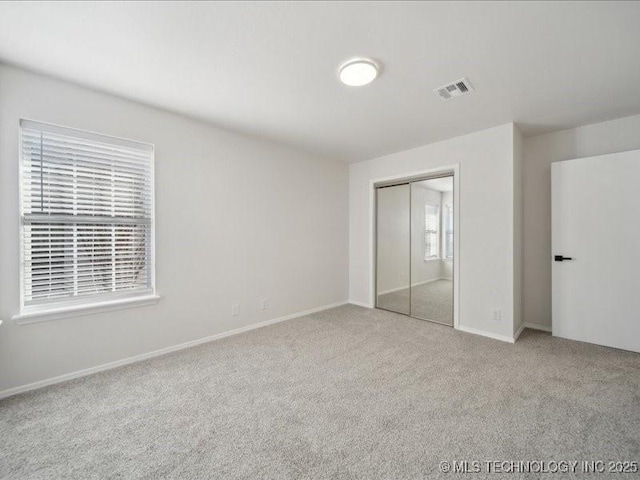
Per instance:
x=270, y=69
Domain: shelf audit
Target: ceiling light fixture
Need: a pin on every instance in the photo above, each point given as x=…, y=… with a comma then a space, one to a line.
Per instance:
x=358, y=72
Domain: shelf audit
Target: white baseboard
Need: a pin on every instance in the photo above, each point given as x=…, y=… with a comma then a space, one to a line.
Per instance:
x=518, y=332
x=417, y=284
x=506, y=338
x=392, y=290
x=156, y=353
x=537, y=326
x=502, y=338
x=360, y=304
x=495, y=336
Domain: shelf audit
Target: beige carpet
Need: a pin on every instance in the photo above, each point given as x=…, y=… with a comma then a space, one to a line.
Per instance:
x=429, y=301
x=349, y=393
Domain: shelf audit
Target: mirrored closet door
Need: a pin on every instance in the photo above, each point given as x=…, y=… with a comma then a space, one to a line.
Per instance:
x=432, y=250
x=415, y=251
x=393, y=273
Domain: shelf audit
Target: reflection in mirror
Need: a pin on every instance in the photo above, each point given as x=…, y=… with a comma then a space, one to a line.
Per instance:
x=432, y=250
x=392, y=245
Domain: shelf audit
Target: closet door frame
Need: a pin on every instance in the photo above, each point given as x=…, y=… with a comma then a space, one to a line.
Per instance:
x=444, y=171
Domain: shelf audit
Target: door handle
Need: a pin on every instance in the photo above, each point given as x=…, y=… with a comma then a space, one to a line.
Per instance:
x=560, y=258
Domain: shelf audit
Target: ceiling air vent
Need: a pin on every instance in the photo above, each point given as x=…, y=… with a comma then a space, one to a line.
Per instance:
x=456, y=89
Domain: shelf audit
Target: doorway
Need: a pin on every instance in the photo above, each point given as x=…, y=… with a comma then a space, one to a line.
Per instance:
x=415, y=248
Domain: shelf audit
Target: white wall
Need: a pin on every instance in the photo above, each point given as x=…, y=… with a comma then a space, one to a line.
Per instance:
x=486, y=212
x=539, y=152
x=518, y=231
x=237, y=219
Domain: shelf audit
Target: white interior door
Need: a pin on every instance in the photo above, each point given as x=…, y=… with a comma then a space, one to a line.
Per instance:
x=596, y=222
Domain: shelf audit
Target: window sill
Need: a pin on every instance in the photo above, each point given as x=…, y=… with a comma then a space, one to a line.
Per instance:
x=75, y=311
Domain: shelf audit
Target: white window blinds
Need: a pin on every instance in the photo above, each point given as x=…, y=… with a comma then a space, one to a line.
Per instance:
x=431, y=231
x=87, y=216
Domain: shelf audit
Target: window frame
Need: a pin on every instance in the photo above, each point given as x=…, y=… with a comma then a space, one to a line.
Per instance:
x=63, y=308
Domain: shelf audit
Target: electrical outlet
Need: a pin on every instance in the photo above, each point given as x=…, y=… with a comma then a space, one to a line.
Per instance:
x=497, y=315
x=235, y=309
x=264, y=303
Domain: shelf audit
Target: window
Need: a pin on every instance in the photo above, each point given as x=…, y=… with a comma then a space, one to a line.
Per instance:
x=448, y=231
x=86, y=217
x=431, y=232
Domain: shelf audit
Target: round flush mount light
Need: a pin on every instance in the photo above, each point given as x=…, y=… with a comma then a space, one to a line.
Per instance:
x=358, y=72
